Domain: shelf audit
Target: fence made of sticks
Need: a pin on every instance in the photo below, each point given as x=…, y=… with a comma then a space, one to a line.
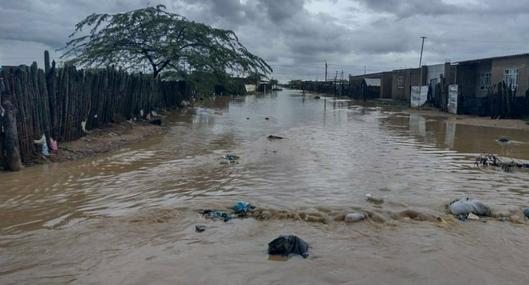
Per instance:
x=61, y=103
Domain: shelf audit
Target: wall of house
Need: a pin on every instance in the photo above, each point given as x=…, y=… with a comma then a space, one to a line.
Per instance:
x=435, y=72
x=466, y=79
x=481, y=68
x=521, y=63
x=399, y=92
x=386, y=85
x=411, y=77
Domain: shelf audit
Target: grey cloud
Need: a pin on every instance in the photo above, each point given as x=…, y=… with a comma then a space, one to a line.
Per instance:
x=412, y=7
x=294, y=35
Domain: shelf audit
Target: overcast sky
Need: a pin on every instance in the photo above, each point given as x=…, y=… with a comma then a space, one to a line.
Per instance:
x=297, y=36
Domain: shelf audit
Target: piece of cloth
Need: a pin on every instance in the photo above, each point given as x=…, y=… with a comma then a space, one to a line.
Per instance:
x=45, y=150
x=463, y=207
x=216, y=215
x=54, y=146
x=288, y=244
x=42, y=140
x=241, y=207
x=83, y=126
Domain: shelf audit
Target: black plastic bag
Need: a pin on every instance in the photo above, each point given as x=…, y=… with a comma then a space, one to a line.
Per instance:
x=286, y=245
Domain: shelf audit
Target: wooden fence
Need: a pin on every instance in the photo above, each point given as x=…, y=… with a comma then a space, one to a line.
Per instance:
x=56, y=102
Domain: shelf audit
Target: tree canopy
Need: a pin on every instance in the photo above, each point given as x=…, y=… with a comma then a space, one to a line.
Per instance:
x=155, y=38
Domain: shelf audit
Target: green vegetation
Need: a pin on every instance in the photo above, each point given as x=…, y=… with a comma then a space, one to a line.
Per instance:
x=161, y=41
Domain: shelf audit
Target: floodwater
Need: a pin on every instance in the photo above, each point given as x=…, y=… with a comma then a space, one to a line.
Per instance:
x=129, y=217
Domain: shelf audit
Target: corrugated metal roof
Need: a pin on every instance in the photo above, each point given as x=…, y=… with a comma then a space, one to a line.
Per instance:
x=372, y=82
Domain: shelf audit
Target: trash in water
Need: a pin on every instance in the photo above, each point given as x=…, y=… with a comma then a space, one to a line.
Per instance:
x=288, y=244
x=503, y=140
x=200, y=228
x=216, y=215
x=354, y=217
x=242, y=207
x=463, y=207
x=232, y=158
x=493, y=160
x=472, y=217
x=273, y=137
x=526, y=212
x=373, y=199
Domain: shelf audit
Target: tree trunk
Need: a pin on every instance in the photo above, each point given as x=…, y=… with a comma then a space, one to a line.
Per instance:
x=11, y=144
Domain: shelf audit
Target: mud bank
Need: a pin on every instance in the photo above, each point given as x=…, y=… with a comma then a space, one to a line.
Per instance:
x=469, y=120
x=105, y=140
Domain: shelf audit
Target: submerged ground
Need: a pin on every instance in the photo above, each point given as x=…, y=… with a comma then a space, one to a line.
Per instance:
x=130, y=217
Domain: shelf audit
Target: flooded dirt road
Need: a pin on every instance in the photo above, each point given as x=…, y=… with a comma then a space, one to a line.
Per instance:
x=129, y=217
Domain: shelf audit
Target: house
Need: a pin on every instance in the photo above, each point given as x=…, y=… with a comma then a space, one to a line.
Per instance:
x=377, y=85
x=404, y=79
x=476, y=78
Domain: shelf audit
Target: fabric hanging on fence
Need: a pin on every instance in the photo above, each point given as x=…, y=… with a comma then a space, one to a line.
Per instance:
x=83, y=126
x=53, y=145
x=42, y=140
x=45, y=150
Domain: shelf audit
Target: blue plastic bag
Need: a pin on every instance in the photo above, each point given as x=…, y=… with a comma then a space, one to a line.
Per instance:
x=241, y=207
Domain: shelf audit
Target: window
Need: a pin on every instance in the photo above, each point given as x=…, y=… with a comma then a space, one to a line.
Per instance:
x=511, y=77
x=484, y=80
x=400, y=81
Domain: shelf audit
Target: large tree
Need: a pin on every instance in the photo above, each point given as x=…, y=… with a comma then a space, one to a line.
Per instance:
x=161, y=40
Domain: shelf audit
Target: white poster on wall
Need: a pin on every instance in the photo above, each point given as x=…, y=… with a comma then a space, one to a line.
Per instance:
x=418, y=96
x=452, y=98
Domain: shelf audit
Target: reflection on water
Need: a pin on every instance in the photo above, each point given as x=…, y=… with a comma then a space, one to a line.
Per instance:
x=129, y=217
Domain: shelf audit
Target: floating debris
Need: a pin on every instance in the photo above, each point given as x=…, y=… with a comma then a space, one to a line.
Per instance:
x=373, y=199
x=463, y=207
x=503, y=140
x=200, y=228
x=493, y=160
x=473, y=217
x=216, y=215
x=242, y=208
x=287, y=245
x=231, y=158
x=272, y=137
x=354, y=217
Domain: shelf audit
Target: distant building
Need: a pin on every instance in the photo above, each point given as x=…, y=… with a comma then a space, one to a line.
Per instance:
x=377, y=85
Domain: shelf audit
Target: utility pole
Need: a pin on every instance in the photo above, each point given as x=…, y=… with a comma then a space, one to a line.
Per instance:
x=365, y=69
x=422, y=49
x=325, y=71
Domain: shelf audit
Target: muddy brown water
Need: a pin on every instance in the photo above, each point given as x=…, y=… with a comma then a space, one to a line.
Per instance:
x=129, y=217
